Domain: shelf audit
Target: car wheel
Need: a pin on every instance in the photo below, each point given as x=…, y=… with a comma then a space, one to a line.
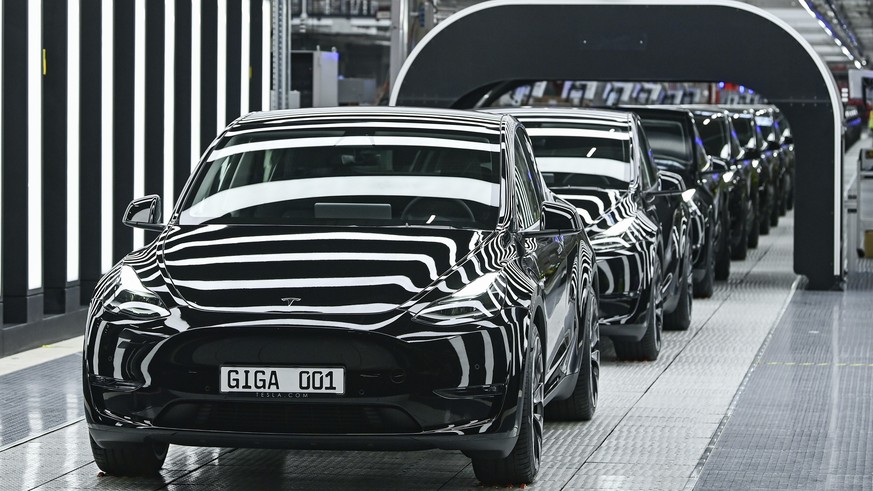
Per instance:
x=580, y=406
x=723, y=257
x=774, y=209
x=789, y=198
x=754, y=227
x=680, y=319
x=764, y=216
x=647, y=348
x=523, y=463
x=706, y=286
x=130, y=459
x=742, y=248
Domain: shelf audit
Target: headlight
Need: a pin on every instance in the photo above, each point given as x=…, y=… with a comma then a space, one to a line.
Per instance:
x=131, y=298
x=480, y=299
x=728, y=176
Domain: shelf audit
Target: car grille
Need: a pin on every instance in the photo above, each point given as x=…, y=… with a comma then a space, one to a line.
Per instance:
x=287, y=418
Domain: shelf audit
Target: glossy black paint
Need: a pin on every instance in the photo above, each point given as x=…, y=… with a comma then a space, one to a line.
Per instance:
x=655, y=240
x=682, y=153
x=754, y=145
x=358, y=300
x=720, y=141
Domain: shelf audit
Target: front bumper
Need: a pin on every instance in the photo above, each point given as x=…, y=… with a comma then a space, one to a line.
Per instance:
x=456, y=391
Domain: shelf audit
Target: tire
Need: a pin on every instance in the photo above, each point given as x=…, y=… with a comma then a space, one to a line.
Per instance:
x=523, y=463
x=742, y=249
x=581, y=405
x=723, y=256
x=774, y=208
x=754, y=227
x=764, y=215
x=131, y=459
x=706, y=286
x=680, y=319
x=647, y=348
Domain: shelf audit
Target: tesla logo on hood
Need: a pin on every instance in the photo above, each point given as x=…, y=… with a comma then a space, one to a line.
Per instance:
x=290, y=300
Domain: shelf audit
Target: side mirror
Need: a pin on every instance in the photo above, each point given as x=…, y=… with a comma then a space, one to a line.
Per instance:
x=144, y=213
x=787, y=140
x=557, y=216
x=669, y=187
x=773, y=145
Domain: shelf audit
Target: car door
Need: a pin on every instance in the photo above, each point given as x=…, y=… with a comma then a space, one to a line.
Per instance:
x=546, y=255
x=660, y=208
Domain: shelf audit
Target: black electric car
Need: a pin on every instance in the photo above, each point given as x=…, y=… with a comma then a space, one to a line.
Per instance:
x=764, y=160
x=349, y=279
x=637, y=220
x=677, y=148
x=720, y=141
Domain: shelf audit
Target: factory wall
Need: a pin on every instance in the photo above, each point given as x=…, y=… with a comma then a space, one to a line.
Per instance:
x=103, y=101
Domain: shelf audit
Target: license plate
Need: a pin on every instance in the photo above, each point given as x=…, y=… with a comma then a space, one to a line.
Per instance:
x=307, y=380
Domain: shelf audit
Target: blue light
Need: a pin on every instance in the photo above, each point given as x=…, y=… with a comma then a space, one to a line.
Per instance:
x=751, y=91
x=742, y=89
x=721, y=85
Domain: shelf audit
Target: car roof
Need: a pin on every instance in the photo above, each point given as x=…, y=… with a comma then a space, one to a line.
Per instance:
x=521, y=113
x=454, y=119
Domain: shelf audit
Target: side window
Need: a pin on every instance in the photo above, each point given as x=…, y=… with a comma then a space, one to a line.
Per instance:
x=648, y=171
x=527, y=204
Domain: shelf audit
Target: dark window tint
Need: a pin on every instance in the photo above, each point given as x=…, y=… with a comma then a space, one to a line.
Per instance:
x=669, y=140
x=714, y=135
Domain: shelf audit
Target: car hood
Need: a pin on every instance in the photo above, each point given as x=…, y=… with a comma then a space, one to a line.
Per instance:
x=592, y=203
x=302, y=270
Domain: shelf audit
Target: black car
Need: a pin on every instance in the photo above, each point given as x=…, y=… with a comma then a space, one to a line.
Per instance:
x=349, y=279
x=786, y=143
x=766, y=161
x=781, y=148
x=678, y=148
x=638, y=221
x=720, y=141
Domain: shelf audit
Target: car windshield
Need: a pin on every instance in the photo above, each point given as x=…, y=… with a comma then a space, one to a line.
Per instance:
x=349, y=177
x=582, y=155
x=669, y=140
x=713, y=134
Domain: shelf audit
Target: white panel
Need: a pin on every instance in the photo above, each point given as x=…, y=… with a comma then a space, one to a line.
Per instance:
x=169, y=102
x=34, y=67
x=221, y=69
x=106, y=218
x=245, y=61
x=196, y=13
x=266, y=22
x=139, y=102
x=73, y=29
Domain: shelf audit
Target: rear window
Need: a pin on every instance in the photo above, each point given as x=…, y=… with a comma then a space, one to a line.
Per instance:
x=669, y=139
x=714, y=135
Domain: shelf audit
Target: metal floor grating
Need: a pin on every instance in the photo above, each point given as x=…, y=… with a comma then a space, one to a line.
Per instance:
x=654, y=422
